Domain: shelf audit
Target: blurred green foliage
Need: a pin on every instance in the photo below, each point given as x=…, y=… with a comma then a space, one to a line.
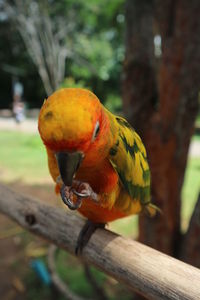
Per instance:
x=70, y=82
x=114, y=103
x=94, y=44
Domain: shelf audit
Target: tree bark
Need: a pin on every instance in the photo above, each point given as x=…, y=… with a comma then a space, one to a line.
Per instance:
x=139, y=86
x=167, y=127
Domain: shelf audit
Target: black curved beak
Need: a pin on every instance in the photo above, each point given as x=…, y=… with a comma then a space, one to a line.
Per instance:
x=68, y=164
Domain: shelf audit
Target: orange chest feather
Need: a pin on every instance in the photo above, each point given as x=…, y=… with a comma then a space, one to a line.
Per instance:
x=99, y=214
x=101, y=177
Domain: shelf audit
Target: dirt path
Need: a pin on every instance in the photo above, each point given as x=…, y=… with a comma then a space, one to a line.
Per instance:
x=194, y=149
x=29, y=125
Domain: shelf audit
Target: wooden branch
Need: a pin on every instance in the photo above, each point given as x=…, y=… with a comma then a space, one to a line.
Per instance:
x=142, y=269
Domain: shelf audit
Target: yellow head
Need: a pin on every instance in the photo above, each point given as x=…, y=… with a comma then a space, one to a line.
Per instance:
x=72, y=121
x=68, y=118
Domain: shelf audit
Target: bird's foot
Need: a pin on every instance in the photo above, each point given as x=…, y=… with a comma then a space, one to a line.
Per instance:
x=67, y=196
x=85, y=234
x=81, y=190
x=84, y=190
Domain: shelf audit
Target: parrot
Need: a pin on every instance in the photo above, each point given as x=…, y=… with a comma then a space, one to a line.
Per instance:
x=96, y=159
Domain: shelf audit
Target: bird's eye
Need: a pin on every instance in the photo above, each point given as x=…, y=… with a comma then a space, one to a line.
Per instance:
x=96, y=131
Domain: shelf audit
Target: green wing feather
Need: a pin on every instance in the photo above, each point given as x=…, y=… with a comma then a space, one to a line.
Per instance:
x=129, y=159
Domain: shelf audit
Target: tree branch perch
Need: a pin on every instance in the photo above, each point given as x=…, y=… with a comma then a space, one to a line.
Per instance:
x=142, y=269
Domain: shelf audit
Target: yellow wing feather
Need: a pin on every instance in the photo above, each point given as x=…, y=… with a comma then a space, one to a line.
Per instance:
x=128, y=157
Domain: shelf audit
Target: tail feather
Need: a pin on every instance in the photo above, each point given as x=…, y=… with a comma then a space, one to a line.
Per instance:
x=152, y=209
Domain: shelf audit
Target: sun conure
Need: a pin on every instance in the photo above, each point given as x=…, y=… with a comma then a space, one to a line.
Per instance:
x=94, y=156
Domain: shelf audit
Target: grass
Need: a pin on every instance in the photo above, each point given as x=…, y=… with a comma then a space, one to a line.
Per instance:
x=196, y=138
x=71, y=272
x=191, y=189
x=23, y=158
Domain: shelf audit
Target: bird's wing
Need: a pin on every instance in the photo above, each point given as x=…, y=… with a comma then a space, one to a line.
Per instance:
x=128, y=157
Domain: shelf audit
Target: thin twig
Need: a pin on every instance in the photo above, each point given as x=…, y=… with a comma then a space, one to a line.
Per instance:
x=56, y=280
x=99, y=292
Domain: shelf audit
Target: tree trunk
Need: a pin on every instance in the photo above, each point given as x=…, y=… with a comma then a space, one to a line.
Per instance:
x=163, y=113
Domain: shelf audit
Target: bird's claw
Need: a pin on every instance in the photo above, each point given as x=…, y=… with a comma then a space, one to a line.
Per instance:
x=67, y=197
x=67, y=193
x=84, y=194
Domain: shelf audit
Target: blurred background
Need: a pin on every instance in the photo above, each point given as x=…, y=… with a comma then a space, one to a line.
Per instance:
x=142, y=59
